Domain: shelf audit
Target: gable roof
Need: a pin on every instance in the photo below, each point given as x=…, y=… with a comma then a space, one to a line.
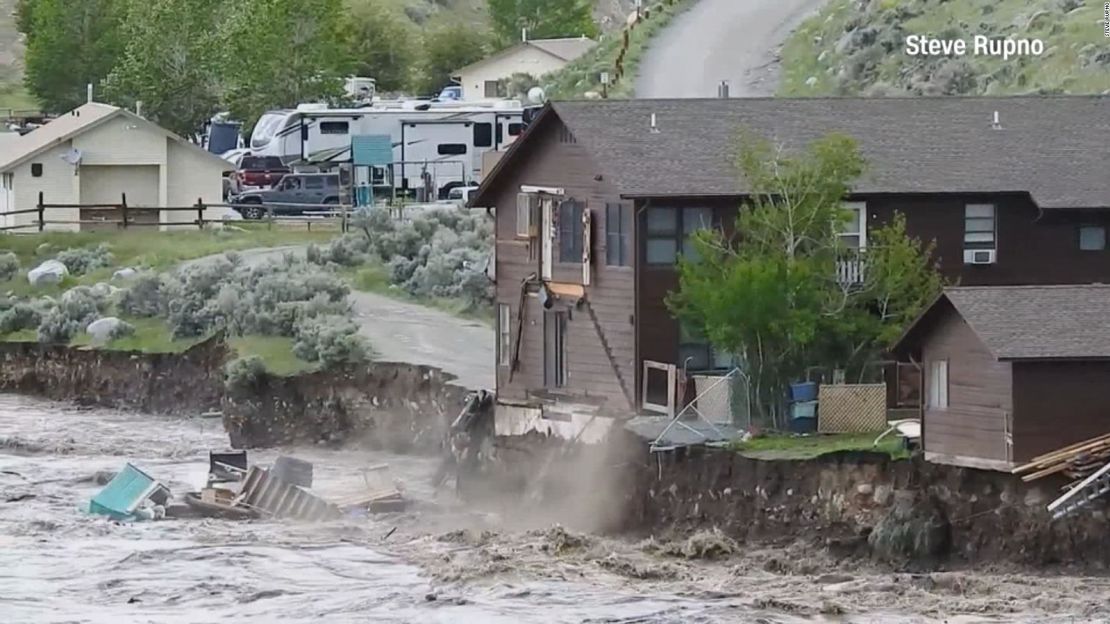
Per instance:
x=79, y=120
x=1052, y=147
x=565, y=49
x=1032, y=322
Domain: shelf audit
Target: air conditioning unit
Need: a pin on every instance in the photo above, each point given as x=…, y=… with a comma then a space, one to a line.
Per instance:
x=980, y=256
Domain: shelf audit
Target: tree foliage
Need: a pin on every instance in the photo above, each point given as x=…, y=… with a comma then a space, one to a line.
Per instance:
x=70, y=44
x=171, y=62
x=383, y=44
x=280, y=53
x=773, y=297
x=447, y=48
x=544, y=19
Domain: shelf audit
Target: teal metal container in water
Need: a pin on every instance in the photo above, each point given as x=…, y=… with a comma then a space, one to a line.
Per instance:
x=126, y=492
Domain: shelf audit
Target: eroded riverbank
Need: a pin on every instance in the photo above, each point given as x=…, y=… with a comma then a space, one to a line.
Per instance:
x=444, y=562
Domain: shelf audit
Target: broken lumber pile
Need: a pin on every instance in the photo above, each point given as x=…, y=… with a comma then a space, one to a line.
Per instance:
x=1077, y=461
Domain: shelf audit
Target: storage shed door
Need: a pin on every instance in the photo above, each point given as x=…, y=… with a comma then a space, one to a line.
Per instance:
x=106, y=184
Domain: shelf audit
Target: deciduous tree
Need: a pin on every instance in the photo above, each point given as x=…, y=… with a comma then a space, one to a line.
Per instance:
x=383, y=44
x=447, y=48
x=172, y=62
x=544, y=19
x=772, y=296
x=70, y=43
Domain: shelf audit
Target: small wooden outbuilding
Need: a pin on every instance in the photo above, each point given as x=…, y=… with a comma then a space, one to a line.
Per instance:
x=1011, y=372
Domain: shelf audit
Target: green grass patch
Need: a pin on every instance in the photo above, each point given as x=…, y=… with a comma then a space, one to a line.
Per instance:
x=584, y=74
x=152, y=335
x=816, y=445
x=275, y=351
x=26, y=335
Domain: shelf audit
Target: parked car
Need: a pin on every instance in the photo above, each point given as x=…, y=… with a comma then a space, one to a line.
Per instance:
x=258, y=172
x=231, y=180
x=450, y=93
x=295, y=193
x=461, y=194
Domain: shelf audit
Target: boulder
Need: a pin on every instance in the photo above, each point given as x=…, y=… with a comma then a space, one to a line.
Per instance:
x=124, y=274
x=49, y=272
x=914, y=530
x=105, y=329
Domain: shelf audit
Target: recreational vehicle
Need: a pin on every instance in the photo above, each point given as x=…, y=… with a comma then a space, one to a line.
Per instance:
x=436, y=145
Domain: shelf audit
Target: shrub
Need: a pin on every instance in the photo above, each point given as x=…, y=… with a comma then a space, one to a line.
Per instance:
x=74, y=311
x=20, y=316
x=81, y=260
x=331, y=340
x=122, y=329
x=244, y=372
x=9, y=266
x=144, y=298
x=348, y=250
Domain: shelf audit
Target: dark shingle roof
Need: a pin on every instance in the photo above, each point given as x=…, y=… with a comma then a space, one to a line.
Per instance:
x=1036, y=322
x=1054, y=147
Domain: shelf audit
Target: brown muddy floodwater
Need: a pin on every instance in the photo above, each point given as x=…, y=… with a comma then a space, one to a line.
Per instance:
x=443, y=563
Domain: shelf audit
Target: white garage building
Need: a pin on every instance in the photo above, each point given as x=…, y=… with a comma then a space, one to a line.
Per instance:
x=98, y=153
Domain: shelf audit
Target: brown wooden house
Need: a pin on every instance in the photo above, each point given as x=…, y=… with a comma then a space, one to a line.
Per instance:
x=1012, y=372
x=598, y=198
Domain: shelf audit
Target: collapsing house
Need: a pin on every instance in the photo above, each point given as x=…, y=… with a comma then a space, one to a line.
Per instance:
x=599, y=198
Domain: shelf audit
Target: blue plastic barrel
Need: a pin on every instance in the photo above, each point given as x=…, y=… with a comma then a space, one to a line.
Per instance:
x=803, y=391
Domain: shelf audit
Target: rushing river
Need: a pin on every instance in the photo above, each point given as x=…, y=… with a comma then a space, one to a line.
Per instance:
x=58, y=564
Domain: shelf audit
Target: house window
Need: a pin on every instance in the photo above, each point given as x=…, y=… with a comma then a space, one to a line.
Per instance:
x=570, y=231
x=525, y=215
x=8, y=181
x=1092, y=238
x=489, y=89
x=938, y=384
x=617, y=244
x=696, y=353
x=979, y=226
x=669, y=231
x=853, y=234
x=555, y=349
x=504, y=341
x=483, y=135
x=334, y=127
x=36, y=170
x=451, y=149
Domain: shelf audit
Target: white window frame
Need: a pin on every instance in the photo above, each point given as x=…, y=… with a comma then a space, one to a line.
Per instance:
x=981, y=244
x=860, y=209
x=938, y=385
x=504, y=333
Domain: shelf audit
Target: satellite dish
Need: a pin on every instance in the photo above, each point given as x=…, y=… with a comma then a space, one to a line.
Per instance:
x=73, y=157
x=536, y=95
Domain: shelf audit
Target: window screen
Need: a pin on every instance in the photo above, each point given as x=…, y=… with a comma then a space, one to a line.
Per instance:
x=979, y=226
x=938, y=384
x=617, y=245
x=570, y=231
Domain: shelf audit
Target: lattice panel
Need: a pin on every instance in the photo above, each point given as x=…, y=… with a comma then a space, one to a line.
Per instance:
x=851, y=408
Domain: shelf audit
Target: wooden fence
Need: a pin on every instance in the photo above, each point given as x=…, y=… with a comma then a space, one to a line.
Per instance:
x=124, y=216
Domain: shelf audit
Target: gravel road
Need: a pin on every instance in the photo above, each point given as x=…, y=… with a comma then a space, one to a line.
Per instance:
x=734, y=40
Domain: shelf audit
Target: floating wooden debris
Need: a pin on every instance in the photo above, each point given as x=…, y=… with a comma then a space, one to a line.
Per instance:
x=381, y=494
x=1077, y=461
x=275, y=498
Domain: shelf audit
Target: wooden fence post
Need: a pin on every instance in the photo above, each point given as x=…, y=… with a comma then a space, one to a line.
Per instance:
x=200, y=213
x=123, y=209
x=42, y=212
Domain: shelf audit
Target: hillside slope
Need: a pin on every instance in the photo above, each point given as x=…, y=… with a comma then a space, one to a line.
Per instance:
x=857, y=47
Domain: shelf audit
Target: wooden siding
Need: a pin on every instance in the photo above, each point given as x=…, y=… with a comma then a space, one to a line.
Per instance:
x=1059, y=403
x=979, y=394
x=591, y=375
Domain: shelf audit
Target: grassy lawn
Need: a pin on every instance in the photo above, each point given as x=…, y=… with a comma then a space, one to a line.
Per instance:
x=153, y=336
x=139, y=248
x=374, y=278
x=815, y=445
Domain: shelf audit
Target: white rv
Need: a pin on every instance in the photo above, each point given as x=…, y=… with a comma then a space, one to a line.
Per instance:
x=436, y=145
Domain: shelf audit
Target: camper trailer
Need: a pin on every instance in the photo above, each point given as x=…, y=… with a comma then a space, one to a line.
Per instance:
x=436, y=145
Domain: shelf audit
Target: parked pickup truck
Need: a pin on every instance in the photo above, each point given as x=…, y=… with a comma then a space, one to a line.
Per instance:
x=258, y=172
x=296, y=193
